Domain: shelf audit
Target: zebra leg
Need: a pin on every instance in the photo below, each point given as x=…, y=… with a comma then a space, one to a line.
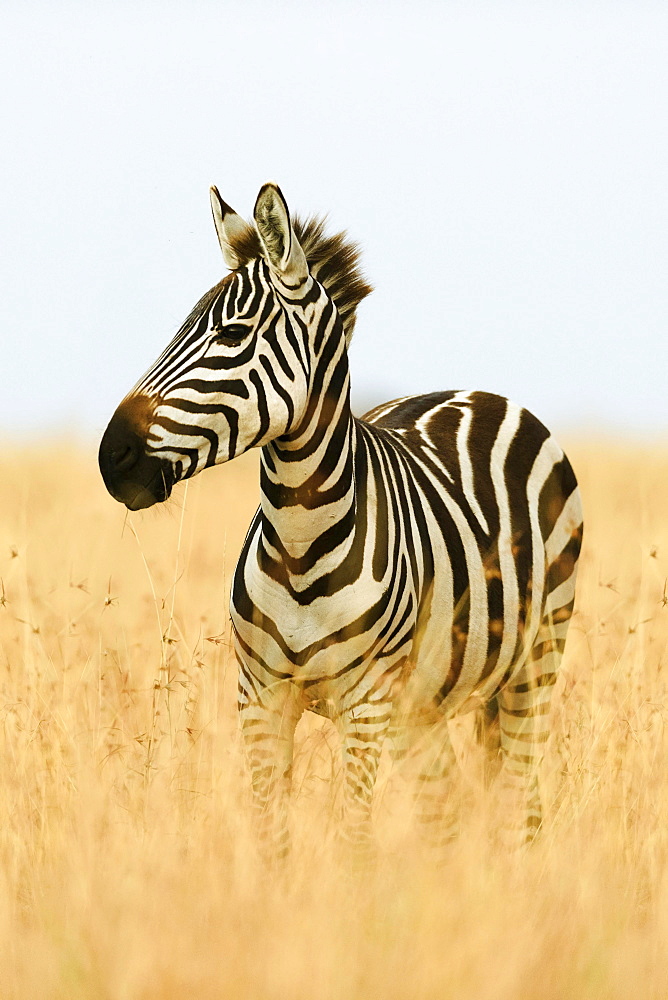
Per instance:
x=268, y=724
x=488, y=735
x=432, y=763
x=524, y=707
x=363, y=732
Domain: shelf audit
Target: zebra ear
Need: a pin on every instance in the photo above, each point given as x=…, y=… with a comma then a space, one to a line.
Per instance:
x=229, y=227
x=284, y=254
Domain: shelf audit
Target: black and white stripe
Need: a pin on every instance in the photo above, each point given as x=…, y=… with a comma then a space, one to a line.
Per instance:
x=402, y=568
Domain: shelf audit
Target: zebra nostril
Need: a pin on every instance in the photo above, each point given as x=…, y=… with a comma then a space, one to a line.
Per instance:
x=124, y=459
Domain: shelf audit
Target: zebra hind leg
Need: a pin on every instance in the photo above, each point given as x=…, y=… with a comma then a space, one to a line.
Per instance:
x=488, y=735
x=524, y=706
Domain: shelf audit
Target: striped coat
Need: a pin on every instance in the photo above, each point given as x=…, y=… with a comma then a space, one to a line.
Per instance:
x=402, y=568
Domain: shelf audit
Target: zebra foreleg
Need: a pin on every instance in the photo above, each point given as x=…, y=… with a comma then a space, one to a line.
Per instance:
x=363, y=731
x=438, y=807
x=431, y=765
x=268, y=725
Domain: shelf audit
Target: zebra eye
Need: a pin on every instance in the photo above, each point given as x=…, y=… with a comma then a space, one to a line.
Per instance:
x=229, y=333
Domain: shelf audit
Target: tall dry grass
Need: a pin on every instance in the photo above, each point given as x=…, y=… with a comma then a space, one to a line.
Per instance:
x=126, y=862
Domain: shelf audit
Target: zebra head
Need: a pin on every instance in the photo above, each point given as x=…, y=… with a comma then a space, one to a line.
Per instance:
x=239, y=372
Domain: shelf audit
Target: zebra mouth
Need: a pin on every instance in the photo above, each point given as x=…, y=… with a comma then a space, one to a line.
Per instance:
x=137, y=497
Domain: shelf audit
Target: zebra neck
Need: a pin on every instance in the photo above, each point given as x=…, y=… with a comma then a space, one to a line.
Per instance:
x=307, y=490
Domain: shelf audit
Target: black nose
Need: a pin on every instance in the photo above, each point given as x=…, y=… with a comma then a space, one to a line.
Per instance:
x=132, y=476
x=124, y=456
x=121, y=445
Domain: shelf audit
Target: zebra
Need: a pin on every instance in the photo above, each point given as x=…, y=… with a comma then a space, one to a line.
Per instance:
x=402, y=568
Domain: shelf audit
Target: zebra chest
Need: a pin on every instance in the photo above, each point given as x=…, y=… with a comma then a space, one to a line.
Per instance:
x=315, y=641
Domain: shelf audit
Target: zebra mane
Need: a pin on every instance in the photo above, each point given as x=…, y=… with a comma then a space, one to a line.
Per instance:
x=332, y=260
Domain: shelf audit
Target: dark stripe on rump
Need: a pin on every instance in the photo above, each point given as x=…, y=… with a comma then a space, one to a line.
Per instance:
x=442, y=428
x=407, y=413
x=522, y=455
x=494, y=608
x=488, y=412
x=557, y=488
x=562, y=567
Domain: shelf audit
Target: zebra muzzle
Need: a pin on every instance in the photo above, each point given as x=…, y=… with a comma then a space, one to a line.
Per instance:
x=132, y=476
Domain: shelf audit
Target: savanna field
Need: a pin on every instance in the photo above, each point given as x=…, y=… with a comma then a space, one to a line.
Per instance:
x=127, y=867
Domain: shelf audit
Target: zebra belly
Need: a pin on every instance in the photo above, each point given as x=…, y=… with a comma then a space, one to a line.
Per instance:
x=451, y=670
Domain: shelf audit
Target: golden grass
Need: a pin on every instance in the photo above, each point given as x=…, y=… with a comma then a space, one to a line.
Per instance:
x=126, y=862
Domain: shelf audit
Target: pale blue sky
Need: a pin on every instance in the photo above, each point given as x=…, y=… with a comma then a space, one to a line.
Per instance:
x=504, y=166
